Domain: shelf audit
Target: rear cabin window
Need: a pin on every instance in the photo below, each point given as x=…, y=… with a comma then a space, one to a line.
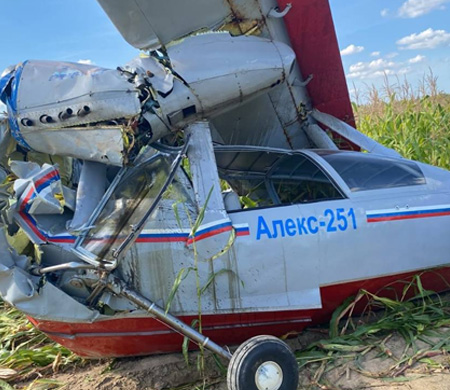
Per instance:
x=363, y=172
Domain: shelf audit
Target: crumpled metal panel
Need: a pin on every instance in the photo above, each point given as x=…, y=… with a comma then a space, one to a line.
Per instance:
x=50, y=87
x=160, y=78
x=104, y=144
x=232, y=70
x=37, y=188
x=21, y=290
x=237, y=56
x=47, y=100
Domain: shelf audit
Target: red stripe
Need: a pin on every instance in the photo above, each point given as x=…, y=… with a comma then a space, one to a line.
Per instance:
x=27, y=198
x=210, y=234
x=48, y=176
x=161, y=239
x=413, y=216
x=62, y=240
x=32, y=227
x=243, y=233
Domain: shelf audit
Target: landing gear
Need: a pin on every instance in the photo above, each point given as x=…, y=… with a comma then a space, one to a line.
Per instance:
x=263, y=363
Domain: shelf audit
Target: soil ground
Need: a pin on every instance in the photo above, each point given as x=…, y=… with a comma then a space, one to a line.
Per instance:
x=171, y=372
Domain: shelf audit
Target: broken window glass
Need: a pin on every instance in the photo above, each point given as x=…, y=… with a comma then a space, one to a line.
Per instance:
x=128, y=205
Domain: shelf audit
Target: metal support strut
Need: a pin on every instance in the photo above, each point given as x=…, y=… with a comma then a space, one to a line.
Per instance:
x=168, y=319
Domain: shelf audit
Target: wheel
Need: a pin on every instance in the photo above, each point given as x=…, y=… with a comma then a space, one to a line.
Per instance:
x=263, y=363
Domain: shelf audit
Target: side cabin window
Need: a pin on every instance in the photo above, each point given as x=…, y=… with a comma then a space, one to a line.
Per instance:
x=264, y=179
x=363, y=172
x=296, y=179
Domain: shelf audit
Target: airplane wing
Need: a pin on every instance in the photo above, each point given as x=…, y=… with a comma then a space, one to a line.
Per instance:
x=278, y=118
x=149, y=24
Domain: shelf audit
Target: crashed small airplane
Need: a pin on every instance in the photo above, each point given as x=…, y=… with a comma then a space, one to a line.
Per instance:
x=218, y=173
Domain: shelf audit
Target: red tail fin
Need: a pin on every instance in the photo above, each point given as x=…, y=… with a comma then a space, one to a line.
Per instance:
x=311, y=29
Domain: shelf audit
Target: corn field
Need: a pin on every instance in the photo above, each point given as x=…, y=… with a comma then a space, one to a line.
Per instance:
x=416, y=123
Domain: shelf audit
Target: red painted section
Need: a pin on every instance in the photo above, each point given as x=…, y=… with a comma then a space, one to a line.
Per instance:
x=144, y=336
x=27, y=199
x=26, y=217
x=161, y=239
x=311, y=30
x=210, y=234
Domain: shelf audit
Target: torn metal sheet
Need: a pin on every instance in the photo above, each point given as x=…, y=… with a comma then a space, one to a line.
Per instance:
x=152, y=72
x=38, y=190
x=22, y=290
x=239, y=79
x=40, y=207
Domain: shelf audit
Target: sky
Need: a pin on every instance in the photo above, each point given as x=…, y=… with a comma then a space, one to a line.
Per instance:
x=396, y=38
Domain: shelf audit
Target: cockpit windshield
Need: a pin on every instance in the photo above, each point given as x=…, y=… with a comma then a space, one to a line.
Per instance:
x=131, y=199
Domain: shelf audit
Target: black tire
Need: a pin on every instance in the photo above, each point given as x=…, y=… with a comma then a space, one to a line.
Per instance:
x=258, y=352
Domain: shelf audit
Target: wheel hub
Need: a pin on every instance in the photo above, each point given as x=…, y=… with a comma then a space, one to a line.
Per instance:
x=269, y=376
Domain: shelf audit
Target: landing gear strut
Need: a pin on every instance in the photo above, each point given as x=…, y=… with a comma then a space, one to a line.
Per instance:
x=261, y=363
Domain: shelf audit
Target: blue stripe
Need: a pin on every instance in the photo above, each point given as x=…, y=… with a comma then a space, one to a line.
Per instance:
x=12, y=107
x=4, y=82
x=15, y=86
x=47, y=183
x=28, y=205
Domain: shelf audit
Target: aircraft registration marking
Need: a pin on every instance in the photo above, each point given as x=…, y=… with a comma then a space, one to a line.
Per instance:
x=331, y=221
x=398, y=214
